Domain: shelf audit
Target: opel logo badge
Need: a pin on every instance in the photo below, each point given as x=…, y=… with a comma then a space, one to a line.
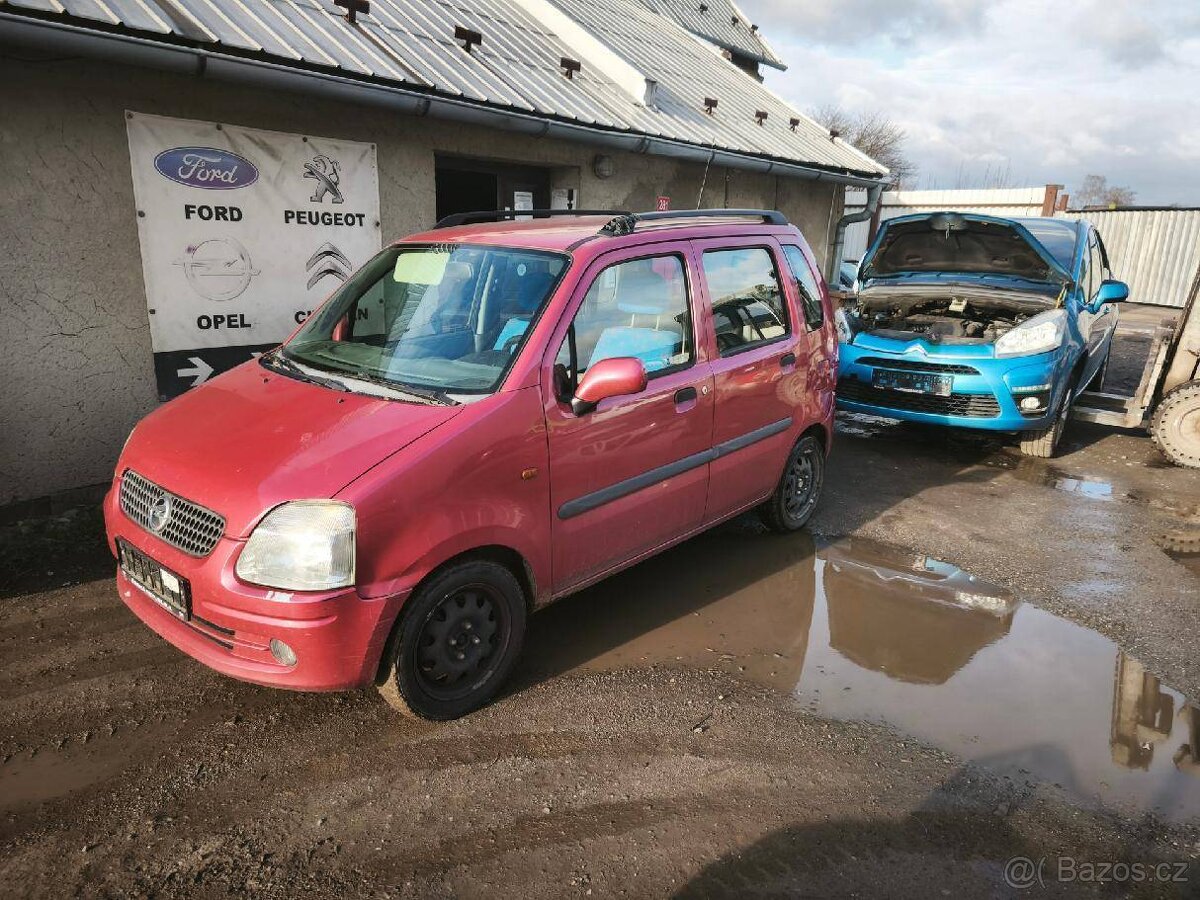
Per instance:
x=159, y=514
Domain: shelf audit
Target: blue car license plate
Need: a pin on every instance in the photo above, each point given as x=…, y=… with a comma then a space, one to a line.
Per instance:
x=913, y=382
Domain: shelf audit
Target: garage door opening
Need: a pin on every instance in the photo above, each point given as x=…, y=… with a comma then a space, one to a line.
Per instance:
x=465, y=185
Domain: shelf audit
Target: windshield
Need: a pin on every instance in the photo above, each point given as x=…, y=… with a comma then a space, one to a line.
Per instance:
x=450, y=318
x=1058, y=237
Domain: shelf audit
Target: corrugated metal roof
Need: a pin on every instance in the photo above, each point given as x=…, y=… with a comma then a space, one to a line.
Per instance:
x=721, y=22
x=1155, y=251
x=411, y=42
x=688, y=70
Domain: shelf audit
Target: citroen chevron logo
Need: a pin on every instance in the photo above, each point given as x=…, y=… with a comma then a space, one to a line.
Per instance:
x=328, y=260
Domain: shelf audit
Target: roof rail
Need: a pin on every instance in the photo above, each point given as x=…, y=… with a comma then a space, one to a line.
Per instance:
x=500, y=215
x=625, y=223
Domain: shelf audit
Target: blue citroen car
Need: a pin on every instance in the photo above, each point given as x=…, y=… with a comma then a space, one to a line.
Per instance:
x=979, y=322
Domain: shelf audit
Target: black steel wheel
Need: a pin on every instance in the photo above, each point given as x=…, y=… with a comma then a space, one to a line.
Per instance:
x=799, y=489
x=457, y=640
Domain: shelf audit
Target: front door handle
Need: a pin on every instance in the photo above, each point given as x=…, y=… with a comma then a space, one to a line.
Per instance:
x=685, y=395
x=788, y=359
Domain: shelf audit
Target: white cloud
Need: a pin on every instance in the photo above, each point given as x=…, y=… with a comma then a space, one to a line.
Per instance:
x=1053, y=93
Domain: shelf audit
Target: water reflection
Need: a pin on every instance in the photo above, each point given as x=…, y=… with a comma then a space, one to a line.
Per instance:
x=859, y=631
x=919, y=622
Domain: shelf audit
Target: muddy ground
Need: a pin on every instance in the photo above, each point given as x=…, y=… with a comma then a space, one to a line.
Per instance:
x=846, y=712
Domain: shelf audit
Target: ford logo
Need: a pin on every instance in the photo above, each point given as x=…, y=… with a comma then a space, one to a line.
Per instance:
x=206, y=167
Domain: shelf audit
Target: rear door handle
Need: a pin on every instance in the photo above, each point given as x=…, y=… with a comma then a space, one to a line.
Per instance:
x=685, y=395
x=788, y=359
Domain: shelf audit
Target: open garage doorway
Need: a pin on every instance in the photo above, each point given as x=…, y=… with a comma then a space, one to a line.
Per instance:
x=464, y=185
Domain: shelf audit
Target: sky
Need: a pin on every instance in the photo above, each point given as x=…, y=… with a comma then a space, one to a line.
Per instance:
x=1047, y=92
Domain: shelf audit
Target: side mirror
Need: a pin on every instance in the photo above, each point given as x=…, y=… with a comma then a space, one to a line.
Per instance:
x=613, y=377
x=1112, y=291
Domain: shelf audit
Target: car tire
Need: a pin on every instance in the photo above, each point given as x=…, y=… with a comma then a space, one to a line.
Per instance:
x=1175, y=425
x=456, y=641
x=799, y=489
x=1043, y=442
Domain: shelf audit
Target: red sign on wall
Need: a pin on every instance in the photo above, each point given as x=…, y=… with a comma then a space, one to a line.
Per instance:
x=663, y=204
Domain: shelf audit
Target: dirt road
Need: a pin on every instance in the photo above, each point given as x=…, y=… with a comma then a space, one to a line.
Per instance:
x=973, y=657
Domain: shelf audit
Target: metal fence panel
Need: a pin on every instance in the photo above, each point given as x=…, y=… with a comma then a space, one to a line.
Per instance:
x=1155, y=251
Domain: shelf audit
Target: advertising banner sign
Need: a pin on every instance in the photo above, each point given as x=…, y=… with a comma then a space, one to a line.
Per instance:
x=243, y=233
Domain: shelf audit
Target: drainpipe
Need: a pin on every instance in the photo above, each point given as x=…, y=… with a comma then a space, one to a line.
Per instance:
x=839, y=236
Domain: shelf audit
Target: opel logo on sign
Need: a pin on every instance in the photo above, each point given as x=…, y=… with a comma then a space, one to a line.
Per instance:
x=159, y=514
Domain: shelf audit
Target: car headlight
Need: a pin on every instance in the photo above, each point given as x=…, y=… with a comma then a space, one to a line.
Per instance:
x=841, y=321
x=1037, y=334
x=305, y=545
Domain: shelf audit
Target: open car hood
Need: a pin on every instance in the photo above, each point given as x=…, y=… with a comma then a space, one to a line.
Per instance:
x=958, y=244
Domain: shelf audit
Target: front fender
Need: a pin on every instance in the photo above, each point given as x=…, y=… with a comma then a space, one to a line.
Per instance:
x=484, y=481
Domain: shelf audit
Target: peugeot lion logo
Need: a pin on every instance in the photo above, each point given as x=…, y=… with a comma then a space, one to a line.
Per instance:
x=328, y=175
x=159, y=514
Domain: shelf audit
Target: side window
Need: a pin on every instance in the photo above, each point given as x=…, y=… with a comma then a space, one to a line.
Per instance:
x=635, y=308
x=806, y=284
x=748, y=304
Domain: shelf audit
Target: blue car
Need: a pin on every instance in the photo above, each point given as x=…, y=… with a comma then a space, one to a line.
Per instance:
x=979, y=322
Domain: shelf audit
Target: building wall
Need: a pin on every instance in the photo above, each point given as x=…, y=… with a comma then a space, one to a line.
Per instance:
x=77, y=367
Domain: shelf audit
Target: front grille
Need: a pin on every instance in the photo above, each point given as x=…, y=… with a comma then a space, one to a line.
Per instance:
x=975, y=406
x=188, y=526
x=916, y=365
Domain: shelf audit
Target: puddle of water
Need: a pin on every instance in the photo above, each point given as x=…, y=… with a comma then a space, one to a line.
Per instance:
x=859, y=631
x=1040, y=473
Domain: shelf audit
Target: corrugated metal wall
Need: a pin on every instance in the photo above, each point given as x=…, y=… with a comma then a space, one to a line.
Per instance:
x=1000, y=202
x=1155, y=251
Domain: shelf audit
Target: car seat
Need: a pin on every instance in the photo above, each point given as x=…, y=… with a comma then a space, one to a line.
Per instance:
x=653, y=335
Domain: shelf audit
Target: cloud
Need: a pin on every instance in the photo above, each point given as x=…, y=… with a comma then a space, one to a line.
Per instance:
x=917, y=20
x=1048, y=93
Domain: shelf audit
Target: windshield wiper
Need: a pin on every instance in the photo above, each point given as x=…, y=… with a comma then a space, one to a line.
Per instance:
x=280, y=363
x=425, y=395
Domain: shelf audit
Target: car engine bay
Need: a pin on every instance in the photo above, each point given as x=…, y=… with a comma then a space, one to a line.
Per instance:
x=944, y=313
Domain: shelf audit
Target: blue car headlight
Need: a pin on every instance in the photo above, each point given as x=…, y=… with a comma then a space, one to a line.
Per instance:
x=1037, y=334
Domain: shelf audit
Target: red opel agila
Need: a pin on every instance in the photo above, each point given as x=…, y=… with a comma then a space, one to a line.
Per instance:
x=484, y=418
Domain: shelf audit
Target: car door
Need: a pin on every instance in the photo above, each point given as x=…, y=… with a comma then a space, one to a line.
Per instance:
x=632, y=474
x=1104, y=321
x=811, y=300
x=759, y=367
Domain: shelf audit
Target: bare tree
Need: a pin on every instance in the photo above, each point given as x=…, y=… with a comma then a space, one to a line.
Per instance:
x=1096, y=192
x=874, y=134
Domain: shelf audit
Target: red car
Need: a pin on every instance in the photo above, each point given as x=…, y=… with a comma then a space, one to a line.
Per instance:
x=484, y=418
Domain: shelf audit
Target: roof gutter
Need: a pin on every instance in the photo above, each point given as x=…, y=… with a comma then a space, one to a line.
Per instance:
x=839, y=235
x=129, y=49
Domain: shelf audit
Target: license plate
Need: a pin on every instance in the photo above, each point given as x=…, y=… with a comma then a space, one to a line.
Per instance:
x=913, y=382
x=169, y=590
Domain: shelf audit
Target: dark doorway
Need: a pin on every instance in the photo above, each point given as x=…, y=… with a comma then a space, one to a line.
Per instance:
x=464, y=185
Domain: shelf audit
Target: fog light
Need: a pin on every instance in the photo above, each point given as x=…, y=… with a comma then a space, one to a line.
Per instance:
x=284, y=655
x=1030, y=403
